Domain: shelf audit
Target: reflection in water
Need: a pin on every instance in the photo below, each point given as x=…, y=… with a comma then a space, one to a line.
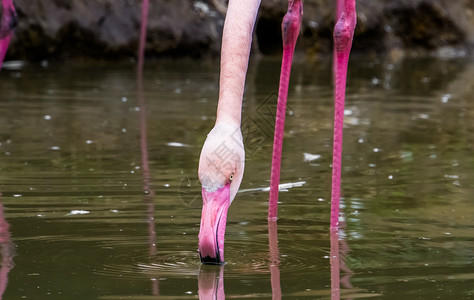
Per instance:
x=149, y=193
x=148, y=199
x=335, y=270
x=6, y=251
x=211, y=282
x=339, y=248
x=408, y=185
x=343, y=251
x=274, y=258
x=211, y=277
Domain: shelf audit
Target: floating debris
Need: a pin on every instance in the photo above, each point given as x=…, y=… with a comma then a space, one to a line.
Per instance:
x=310, y=157
x=176, y=144
x=282, y=187
x=78, y=212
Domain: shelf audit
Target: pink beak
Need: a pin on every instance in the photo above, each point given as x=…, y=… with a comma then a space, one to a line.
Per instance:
x=213, y=221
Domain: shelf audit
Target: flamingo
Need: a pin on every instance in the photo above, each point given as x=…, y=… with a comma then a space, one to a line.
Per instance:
x=221, y=163
x=7, y=24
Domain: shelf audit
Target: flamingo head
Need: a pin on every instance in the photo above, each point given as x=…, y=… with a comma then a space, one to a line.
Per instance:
x=221, y=168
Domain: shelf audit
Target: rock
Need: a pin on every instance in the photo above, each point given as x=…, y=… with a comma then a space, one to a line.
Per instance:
x=57, y=29
x=386, y=26
x=109, y=29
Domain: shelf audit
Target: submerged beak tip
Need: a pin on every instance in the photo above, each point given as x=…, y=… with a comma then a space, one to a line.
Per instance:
x=208, y=260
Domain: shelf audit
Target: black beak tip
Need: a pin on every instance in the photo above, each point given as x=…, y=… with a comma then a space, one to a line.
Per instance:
x=211, y=260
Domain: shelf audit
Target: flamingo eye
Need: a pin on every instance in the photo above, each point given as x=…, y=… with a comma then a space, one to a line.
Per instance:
x=231, y=177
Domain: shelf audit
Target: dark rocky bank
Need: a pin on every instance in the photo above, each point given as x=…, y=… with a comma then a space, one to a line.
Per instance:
x=109, y=29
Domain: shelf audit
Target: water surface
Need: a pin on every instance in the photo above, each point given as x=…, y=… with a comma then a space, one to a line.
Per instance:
x=93, y=216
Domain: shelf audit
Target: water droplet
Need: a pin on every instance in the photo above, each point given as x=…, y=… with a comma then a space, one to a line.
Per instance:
x=424, y=116
x=47, y=117
x=445, y=98
x=313, y=24
x=176, y=144
x=124, y=99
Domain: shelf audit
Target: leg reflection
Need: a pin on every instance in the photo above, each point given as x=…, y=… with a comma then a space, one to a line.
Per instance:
x=6, y=252
x=144, y=146
x=148, y=199
x=334, y=260
x=339, y=248
x=343, y=251
x=274, y=258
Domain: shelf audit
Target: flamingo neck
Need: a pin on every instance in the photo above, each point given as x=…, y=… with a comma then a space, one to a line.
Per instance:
x=235, y=54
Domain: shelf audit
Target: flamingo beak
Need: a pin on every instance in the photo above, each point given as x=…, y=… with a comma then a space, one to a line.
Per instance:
x=213, y=221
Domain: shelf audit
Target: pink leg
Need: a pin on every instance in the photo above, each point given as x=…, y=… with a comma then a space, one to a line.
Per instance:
x=141, y=47
x=8, y=23
x=290, y=30
x=343, y=33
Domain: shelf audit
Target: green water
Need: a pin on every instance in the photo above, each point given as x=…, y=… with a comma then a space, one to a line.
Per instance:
x=87, y=222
